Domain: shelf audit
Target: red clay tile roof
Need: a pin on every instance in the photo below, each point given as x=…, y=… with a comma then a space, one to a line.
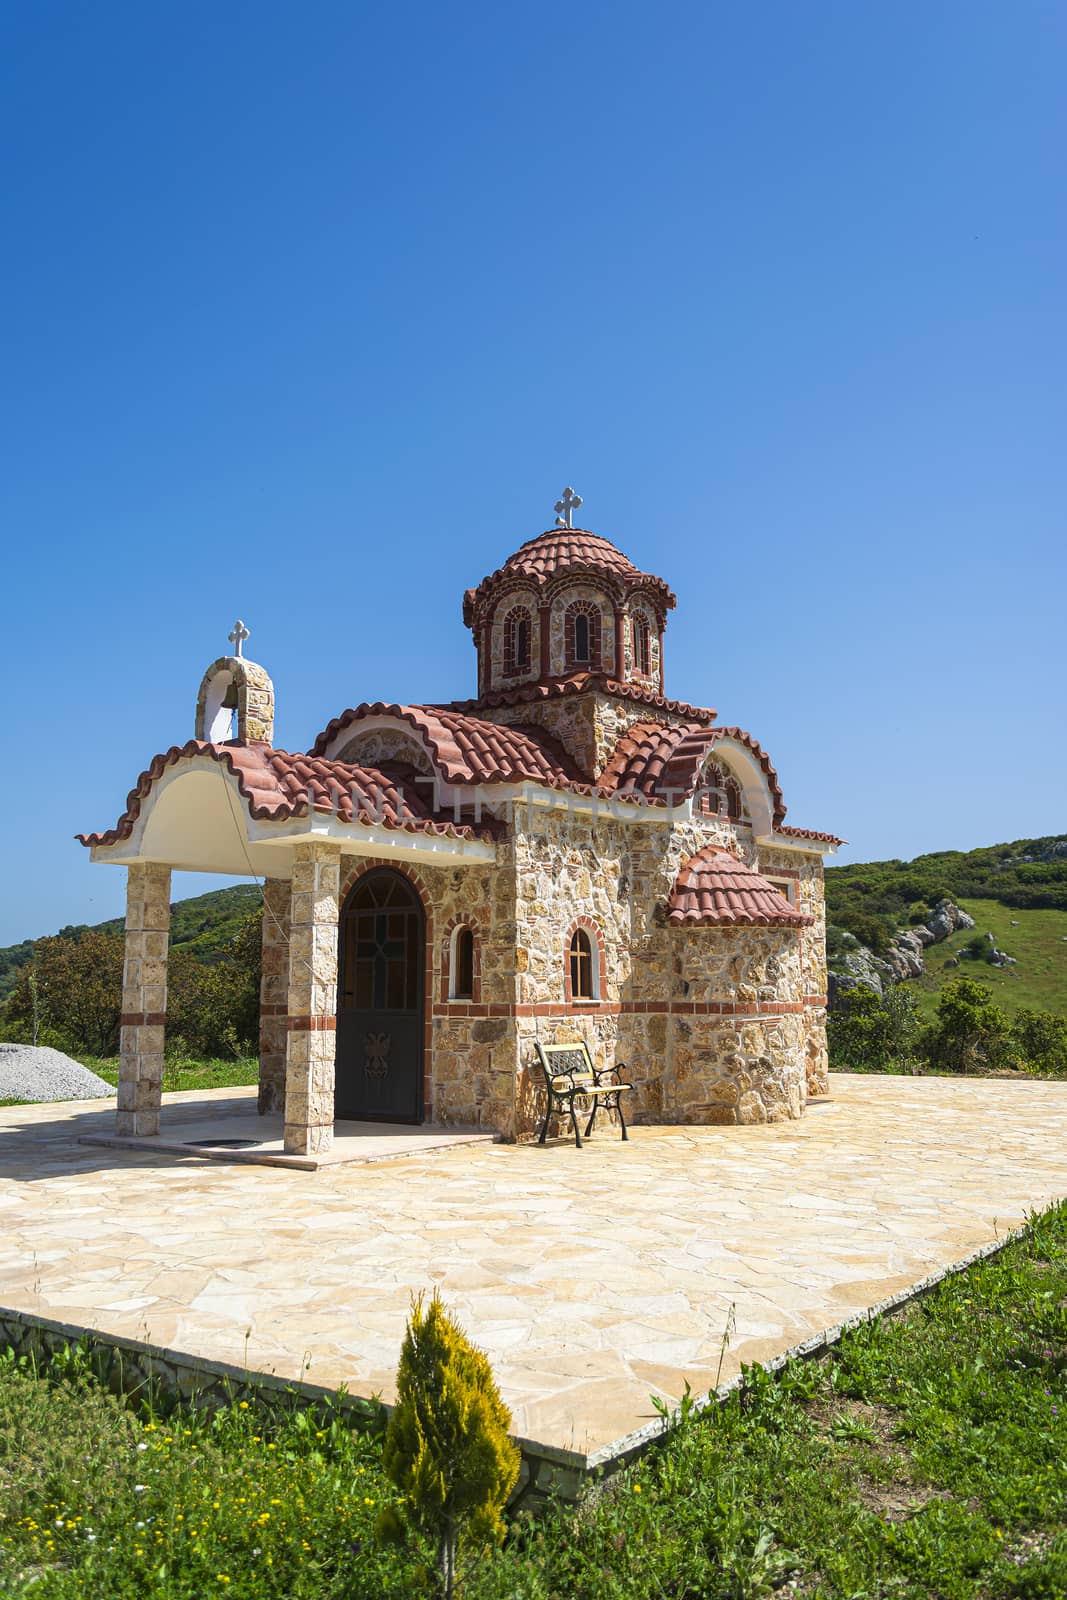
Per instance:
x=810, y=833
x=467, y=749
x=716, y=890
x=562, y=551
x=277, y=785
x=652, y=760
x=580, y=683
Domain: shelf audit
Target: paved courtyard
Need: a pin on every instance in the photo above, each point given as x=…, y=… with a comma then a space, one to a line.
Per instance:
x=592, y=1279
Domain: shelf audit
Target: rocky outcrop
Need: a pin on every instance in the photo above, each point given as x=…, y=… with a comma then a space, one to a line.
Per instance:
x=905, y=957
x=947, y=918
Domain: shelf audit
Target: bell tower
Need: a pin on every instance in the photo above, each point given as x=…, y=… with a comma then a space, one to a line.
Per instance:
x=233, y=684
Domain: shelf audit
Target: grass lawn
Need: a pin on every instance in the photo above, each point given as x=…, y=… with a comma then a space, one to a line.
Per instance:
x=925, y=1456
x=1039, y=943
x=182, y=1074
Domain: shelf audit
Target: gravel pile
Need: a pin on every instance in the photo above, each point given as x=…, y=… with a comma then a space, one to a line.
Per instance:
x=31, y=1072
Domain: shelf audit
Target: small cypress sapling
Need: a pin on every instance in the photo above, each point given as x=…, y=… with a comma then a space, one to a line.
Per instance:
x=447, y=1447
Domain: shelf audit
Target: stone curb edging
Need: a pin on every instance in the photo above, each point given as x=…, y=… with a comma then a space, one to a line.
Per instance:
x=547, y=1470
x=623, y=1450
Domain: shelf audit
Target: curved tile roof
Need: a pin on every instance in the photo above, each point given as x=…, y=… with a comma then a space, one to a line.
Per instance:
x=470, y=749
x=716, y=890
x=810, y=833
x=276, y=785
x=564, y=550
x=652, y=760
x=581, y=683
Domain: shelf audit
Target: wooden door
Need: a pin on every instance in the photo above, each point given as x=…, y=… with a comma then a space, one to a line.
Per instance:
x=380, y=1001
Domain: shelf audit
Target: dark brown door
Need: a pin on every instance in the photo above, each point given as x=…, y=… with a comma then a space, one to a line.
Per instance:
x=380, y=1001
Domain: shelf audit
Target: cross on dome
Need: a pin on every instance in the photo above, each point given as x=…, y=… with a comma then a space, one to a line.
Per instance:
x=566, y=506
x=237, y=636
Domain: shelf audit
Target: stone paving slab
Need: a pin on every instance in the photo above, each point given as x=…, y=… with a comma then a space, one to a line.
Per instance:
x=217, y=1124
x=592, y=1279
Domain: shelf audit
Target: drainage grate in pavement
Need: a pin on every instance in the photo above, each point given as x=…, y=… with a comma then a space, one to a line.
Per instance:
x=224, y=1144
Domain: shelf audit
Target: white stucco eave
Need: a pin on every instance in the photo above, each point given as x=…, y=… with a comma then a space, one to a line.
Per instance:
x=802, y=847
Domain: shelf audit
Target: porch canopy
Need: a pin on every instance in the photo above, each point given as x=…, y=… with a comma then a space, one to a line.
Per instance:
x=248, y=810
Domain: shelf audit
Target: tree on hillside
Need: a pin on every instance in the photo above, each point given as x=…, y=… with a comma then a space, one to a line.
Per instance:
x=1041, y=1040
x=70, y=996
x=869, y=1032
x=971, y=1033
x=214, y=1010
x=78, y=996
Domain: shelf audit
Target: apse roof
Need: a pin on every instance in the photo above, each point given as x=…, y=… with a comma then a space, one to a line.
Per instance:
x=715, y=889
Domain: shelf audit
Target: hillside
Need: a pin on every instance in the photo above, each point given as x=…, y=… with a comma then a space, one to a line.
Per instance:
x=202, y=925
x=1017, y=892
x=1037, y=940
x=1029, y=873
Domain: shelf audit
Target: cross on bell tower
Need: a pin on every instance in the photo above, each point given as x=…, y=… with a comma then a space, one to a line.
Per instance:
x=566, y=506
x=237, y=637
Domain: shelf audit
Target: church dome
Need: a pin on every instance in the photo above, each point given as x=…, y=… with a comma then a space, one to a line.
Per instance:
x=564, y=549
x=568, y=605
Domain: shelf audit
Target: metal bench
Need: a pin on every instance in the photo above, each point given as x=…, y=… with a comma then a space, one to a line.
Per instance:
x=570, y=1075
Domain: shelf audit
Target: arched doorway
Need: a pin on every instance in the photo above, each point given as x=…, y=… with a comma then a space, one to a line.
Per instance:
x=378, y=1073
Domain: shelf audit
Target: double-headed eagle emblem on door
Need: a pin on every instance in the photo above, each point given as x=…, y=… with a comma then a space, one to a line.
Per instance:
x=376, y=1047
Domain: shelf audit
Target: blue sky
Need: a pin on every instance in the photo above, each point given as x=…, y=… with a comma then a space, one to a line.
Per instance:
x=309, y=313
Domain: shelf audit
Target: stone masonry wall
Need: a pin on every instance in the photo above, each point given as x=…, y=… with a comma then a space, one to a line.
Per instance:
x=811, y=898
x=587, y=725
x=710, y=1022
x=469, y=1044
x=714, y=1025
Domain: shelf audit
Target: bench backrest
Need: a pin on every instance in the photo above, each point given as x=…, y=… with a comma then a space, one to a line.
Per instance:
x=565, y=1061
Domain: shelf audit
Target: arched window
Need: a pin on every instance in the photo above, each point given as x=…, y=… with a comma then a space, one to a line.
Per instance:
x=720, y=793
x=582, y=632
x=462, y=964
x=517, y=641
x=642, y=645
x=583, y=970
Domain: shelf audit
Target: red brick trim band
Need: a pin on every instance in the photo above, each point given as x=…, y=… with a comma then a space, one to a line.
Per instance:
x=143, y=1019
x=312, y=1024
x=628, y=1008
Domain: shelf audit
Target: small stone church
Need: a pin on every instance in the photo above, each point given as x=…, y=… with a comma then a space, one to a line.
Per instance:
x=570, y=855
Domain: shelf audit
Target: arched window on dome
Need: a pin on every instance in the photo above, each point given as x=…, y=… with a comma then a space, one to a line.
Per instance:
x=517, y=628
x=642, y=645
x=720, y=793
x=582, y=625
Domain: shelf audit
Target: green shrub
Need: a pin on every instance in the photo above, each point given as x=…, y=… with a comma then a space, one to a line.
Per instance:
x=1040, y=1039
x=873, y=931
x=869, y=1032
x=447, y=1447
x=979, y=948
x=839, y=942
x=971, y=1033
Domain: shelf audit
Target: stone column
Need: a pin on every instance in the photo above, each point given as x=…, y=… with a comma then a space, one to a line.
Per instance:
x=144, y=998
x=274, y=995
x=312, y=1021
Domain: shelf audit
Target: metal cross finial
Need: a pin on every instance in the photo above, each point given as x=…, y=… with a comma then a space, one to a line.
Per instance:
x=238, y=636
x=566, y=506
